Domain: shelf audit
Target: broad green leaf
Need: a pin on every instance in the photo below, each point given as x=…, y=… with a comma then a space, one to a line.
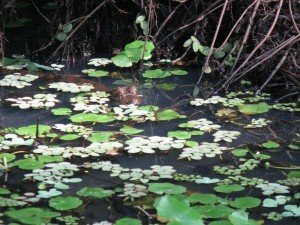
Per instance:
x=166, y=188
x=131, y=130
x=95, y=192
x=65, y=203
x=169, y=114
x=245, y=202
x=61, y=111
x=252, y=109
x=91, y=117
x=121, y=61
x=128, y=221
x=102, y=136
x=228, y=188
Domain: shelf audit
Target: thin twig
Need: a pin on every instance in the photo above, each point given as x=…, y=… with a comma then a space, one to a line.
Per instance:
x=292, y=17
x=259, y=45
x=77, y=28
x=274, y=71
x=37, y=9
x=214, y=40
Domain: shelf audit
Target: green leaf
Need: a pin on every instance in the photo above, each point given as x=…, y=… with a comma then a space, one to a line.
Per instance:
x=61, y=111
x=187, y=43
x=179, y=134
x=206, y=199
x=31, y=130
x=245, y=202
x=91, y=117
x=9, y=157
x=95, y=192
x=29, y=164
x=219, y=54
x=229, y=188
x=270, y=144
x=177, y=212
x=121, y=61
x=166, y=188
x=178, y=72
x=65, y=203
x=32, y=215
x=102, y=136
x=221, y=222
x=252, y=109
x=213, y=211
x=61, y=36
x=294, y=174
x=131, y=130
x=240, y=152
x=169, y=114
x=156, y=74
x=140, y=18
x=69, y=137
x=98, y=73
x=67, y=28
x=4, y=191
x=17, y=23
x=128, y=221
x=241, y=218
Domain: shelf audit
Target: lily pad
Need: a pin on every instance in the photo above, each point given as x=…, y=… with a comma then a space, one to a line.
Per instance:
x=65, y=203
x=245, y=202
x=91, y=117
x=95, y=192
x=103, y=136
x=61, y=111
x=131, y=130
x=166, y=188
x=271, y=144
x=252, y=109
x=128, y=221
x=229, y=188
x=169, y=114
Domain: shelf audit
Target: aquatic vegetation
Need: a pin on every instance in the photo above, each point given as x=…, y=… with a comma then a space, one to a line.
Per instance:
x=71, y=87
x=57, y=67
x=291, y=211
x=132, y=191
x=150, y=144
x=94, y=102
x=211, y=100
x=54, y=175
x=133, y=53
x=201, y=124
x=38, y=101
x=205, y=149
x=278, y=200
x=271, y=188
x=224, y=135
x=32, y=215
x=252, y=109
x=17, y=80
x=13, y=140
x=73, y=128
x=95, y=192
x=258, y=123
x=133, y=112
x=65, y=203
x=99, y=61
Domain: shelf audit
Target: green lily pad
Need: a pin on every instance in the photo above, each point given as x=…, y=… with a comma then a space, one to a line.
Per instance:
x=205, y=199
x=240, y=152
x=156, y=74
x=128, y=221
x=169, y=114
x=213, y=211
x=31, y=130
x=270, y=144
x=166, y=188
x=65, y=203
x=229, y=188
x=4, y=191
x=131, y=130
x=9, y=157
x=179, y=72
x=32, y=215
x=241, y=218
x=167, y=86
x=29, y=164
x=103, y=136
x=69, y=137
x=61, y=111
x=252, y=109
x=179, y=134
x=245, y=202
x=95, y=192
x=176, y=212
x=91, y=117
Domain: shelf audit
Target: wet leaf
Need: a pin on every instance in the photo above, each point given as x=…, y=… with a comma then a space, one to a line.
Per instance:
x=65, y=203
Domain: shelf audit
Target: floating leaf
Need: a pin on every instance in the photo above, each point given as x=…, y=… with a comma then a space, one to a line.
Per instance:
x=65, y=203
x=91, y=117
x=32, y=215
x=128, y=221
x=271, y=144
x=95, y=192
x=157, y=73
x=169, y=114
x=103, y=136
x=121, y=61
x=166, y=188
x=180, y=134
x=131, y=130
x=213, y=211
x=176, y=211
x=229, y=188
x=245, y=202
x=61, y=111
x=98, y=73
x=69, y=137
x=205, y=199
x=29, y=164
x=252, y=109
x=178, y=72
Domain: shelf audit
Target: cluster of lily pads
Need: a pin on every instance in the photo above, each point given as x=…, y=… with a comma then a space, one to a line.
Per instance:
x=38, y=101
x=71, y=87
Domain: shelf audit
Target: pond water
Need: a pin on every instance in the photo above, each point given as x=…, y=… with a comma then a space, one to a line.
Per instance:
x=253, y=170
